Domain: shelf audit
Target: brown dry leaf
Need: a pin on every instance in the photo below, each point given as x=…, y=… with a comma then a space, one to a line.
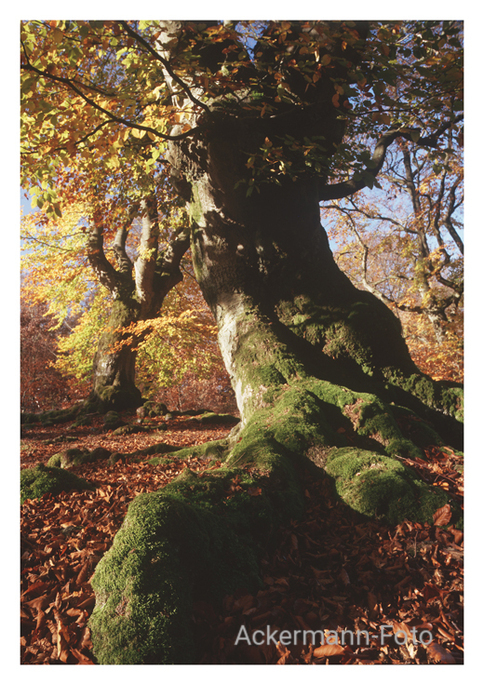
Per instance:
x=81, y=658
x=243, y=603
x=372, y=605
x=83, y=574
x=399, y=628
x=344, y=576
x=440, y=654
x=443, y=515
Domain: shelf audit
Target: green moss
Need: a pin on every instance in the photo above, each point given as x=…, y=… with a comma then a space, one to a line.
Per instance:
x=113, y=420
x=35, y=482
x=69, y=457
x=202, y=535
x=82, y=420
x=199, y=537
x=132, y=428
x=445, y=397
x=419, y=431
x=379, y=486
x=75, y=457
x=52, y=417
x=152, y=408
x=211, y=417
x=161, y=461
x=159, y=448
x=113, y=398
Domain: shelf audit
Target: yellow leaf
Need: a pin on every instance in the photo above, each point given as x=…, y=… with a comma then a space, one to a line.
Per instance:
x=57, y=36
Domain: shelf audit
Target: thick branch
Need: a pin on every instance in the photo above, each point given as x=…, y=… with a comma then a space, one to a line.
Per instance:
x=186, y=89
x=145, y=264
x=448, y=219
x=340, y=190
x=104, y=270
x=123, y=261
x=168, y=272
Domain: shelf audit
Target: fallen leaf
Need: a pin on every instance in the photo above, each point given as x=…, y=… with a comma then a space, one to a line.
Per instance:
x=443, y=515
x=328, y=650
x=440, y=654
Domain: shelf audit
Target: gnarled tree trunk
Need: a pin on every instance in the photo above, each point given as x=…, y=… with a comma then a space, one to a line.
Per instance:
x=285, y=311
x=138, y=292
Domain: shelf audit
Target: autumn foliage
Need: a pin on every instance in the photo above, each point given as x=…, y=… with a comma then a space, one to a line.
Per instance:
x=404, y=244
x=177, y=349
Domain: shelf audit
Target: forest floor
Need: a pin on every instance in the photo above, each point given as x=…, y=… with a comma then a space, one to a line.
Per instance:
x=381, y=594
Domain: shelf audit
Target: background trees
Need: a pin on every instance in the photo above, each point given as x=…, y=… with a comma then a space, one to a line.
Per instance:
x=43, y=387
x=404, y=244
x=60, y=283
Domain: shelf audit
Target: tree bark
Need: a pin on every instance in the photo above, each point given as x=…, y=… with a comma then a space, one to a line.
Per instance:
x=283, y=308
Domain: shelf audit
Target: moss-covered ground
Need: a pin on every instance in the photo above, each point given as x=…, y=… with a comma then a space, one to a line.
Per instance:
x=328, y=566
x=202, y=536
x=35, y=482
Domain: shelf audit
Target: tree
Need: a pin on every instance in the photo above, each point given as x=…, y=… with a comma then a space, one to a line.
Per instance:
x=404, y=245
x=138, y=295
x=59, y=277
x=42, y=386
x=259, y=124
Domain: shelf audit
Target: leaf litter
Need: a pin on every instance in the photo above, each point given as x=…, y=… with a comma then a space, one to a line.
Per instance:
x=369, y=593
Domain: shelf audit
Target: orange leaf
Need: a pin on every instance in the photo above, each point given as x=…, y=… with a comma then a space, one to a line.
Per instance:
x=328, y=650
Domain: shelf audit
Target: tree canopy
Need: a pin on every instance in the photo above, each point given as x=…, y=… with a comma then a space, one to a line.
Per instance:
x=97, y=98
x=101, y=100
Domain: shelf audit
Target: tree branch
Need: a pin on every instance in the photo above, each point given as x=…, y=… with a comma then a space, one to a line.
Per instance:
x=447, y=222
x=145, y=264
x=185, y=88
x=112, y=117
x=168, y=272
x=104, y=270
x=339, y=190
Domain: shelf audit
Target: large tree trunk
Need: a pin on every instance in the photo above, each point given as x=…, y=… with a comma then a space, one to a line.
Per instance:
x=285, y=311
x=114, y=366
